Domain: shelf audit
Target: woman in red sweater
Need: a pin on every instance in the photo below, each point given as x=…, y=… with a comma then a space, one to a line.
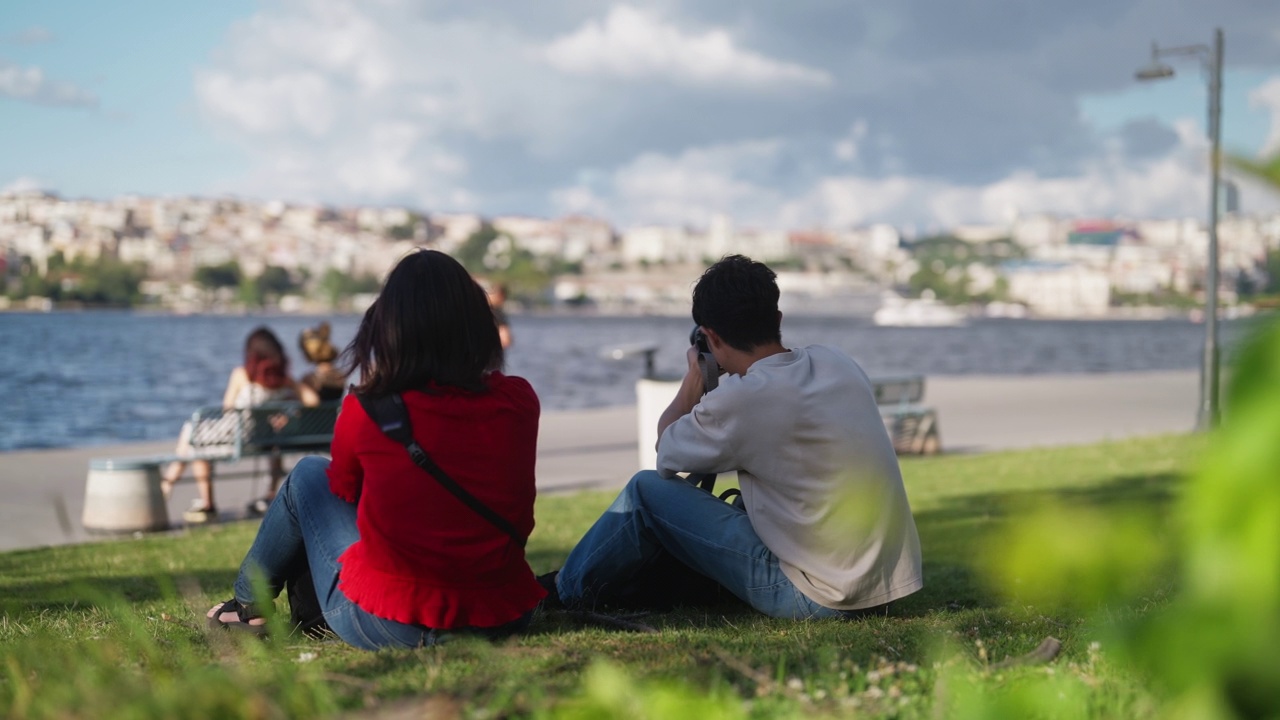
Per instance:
x=396, y=560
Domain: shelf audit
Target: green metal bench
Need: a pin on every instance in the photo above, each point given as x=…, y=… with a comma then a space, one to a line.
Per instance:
x=122, y=494
x=227, y=435
x=912, y=425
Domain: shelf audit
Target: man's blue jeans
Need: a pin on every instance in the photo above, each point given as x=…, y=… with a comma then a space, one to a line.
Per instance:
x=308, y=521
x=653, y=517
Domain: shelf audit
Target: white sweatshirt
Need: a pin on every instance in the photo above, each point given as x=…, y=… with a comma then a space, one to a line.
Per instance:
x=818, y=473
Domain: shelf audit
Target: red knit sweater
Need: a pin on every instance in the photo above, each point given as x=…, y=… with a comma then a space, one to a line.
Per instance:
x=424, y=557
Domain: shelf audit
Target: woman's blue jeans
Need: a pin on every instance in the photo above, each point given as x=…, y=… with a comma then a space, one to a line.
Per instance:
x=654, y=517
x=307, y=521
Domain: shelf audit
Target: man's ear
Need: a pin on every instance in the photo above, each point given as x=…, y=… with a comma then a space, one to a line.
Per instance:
x=713, y=338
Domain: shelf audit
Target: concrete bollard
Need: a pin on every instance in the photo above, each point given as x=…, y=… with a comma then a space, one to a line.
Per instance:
x=653, y=395
x=122, y=495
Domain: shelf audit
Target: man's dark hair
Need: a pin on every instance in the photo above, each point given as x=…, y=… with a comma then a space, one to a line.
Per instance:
x=430, y=324
x=738, y=298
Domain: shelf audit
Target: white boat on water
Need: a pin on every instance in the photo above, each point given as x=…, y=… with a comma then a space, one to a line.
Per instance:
x=926, y=311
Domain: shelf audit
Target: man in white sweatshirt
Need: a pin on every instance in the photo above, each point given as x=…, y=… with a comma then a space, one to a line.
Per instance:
x=824, y=528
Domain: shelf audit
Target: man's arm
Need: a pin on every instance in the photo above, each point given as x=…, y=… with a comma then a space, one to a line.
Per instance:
x=689, y=394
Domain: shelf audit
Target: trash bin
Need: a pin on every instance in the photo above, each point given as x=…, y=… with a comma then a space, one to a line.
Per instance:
x=122, y=495
x=653, y=395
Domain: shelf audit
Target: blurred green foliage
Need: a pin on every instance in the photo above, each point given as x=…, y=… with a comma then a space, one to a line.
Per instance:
x=944, y=261
x=1213, y=650
x=338, y=287
x=102, y=282
x=273, y=283
x=216, y=277
x=1217, y=646
x=609, y=693
x=496, y=256
x=1265, y=169
x=1075, y=557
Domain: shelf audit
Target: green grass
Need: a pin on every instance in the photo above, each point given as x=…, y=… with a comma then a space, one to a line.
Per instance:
x=115, y=629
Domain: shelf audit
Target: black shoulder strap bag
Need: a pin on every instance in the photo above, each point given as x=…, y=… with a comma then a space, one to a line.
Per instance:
x=389, y=414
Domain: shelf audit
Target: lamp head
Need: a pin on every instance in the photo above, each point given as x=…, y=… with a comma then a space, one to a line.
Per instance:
x=1154, y=71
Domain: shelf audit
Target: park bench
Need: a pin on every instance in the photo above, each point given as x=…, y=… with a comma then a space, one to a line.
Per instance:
x=912, y=425
x=123, y=494
x=268, y=429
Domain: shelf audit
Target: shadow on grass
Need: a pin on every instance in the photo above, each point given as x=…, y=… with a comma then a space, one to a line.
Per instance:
x=101, y=591
x=952, y=534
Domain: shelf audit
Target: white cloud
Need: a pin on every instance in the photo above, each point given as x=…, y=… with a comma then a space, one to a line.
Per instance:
x=527, y=108
x=847, y=147
x=1267, y=95
x=688, y=188
x=268, y=105
x=634, y=44
x=693, y=185
x=30, y=84
x=22, y=185
x=34, y=35
x=326, y=96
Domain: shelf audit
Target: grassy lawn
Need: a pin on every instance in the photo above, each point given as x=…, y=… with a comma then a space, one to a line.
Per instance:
x=115, y=629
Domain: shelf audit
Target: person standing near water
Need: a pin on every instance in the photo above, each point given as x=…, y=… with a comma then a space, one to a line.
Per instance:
x=497, y=293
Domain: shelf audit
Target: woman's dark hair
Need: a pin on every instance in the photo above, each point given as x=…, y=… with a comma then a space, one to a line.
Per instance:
x=430, y=324
x=738, y=298
x=264, y=359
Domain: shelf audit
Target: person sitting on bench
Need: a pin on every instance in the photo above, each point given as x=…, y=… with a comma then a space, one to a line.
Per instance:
x=263, y=378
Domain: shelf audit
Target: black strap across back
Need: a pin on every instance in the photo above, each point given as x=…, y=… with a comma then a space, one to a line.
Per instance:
x=390, y=415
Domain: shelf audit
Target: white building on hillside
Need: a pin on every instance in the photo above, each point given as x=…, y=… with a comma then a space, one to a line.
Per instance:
x=450, y=230
x=662, y=244
x=980, y=233
x=1059, y=289
x=1141, y=269
x=1040, y=229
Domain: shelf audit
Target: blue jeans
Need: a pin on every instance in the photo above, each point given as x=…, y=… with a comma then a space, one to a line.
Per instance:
x=308, y=522
x=655, y=517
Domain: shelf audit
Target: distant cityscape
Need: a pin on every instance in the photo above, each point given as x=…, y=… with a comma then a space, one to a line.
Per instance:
x=217, y=254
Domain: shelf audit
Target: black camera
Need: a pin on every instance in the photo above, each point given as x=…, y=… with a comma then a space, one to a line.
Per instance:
x=706, y=361
x=698, y=339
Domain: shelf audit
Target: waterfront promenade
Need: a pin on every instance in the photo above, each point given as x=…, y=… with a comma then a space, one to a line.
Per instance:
x=43, y=490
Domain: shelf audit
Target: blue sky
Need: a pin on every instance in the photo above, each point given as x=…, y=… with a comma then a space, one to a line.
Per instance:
x=1244, y=128
x=921, y=112
x=145, y=133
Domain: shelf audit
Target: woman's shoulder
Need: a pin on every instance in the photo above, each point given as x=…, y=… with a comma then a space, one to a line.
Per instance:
x=512, y=387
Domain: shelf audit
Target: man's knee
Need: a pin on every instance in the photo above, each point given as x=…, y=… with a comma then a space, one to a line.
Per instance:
x=644, y=478
x=649, y=489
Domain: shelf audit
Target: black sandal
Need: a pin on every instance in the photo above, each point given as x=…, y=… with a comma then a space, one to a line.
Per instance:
x=244, y=612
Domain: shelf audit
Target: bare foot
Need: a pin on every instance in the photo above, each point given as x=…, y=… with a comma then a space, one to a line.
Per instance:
x=166, y=486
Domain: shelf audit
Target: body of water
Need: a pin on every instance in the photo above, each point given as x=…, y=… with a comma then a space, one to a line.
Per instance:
x=91, y=378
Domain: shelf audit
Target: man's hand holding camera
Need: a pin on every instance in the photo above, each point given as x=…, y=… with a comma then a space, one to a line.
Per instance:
x=695, y=382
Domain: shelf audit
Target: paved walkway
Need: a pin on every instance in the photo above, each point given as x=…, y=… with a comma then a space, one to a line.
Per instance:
x=43, y=490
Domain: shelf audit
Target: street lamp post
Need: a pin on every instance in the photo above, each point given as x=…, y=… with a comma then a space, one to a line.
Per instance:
x=1211, y=58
